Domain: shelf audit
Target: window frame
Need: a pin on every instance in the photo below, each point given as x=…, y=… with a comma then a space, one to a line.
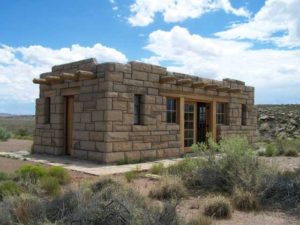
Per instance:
x=244, y=115
x=221, y=116
x=173, y=110
x=137, y=99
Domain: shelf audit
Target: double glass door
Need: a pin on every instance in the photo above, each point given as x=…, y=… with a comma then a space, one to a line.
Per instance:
x=195, y=123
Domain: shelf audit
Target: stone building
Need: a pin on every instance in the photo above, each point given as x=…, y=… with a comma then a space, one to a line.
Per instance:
x=113, y=112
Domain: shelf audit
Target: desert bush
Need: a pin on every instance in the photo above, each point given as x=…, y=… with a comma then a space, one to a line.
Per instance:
x=291, y=152
x=169, y=188
x=132, y=174
x=218, y=207
x=245, y=200
x=281, y=190
x=4, y=134
x=157, y=168
x=8, y=188
x=270, y=150
x=50, y=185
x=31, y=172
x=238, y=166
x=3, y=176
x=103, y=183
x=261, y=152
x=185, y=167
x=110, y=205
x=280, y=144
x=201, y=220
x=60, y=173
x=24, y=209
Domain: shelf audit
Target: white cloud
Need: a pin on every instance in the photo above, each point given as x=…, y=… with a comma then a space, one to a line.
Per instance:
x=277, y=21
x=275, y=73
x=18, y=66
x=144, y=11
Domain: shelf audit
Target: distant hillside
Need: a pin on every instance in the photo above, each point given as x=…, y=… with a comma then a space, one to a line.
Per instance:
x=279, y=121
x=4, y=114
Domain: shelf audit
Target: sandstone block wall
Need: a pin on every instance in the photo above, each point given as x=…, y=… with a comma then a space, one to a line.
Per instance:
x=103, y=122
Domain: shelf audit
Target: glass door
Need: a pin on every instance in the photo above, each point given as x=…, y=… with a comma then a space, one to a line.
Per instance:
x=189, y=124
x=201, y=122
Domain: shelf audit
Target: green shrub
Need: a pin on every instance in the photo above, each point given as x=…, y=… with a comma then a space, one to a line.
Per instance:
x=22, y=132
x=185, y=166
x=50, y=185
x=218, y=207
x=3, y=176
x=8, y=188
x=157, y=168
x=4, y=134
x=245, y=200
x=201, y=220
x=238, y=166
x=270, y=150
x=291, y=152
x=132, y=174
x=169, y=188
x=60, y=173
x=31, y=172
x=261, y=152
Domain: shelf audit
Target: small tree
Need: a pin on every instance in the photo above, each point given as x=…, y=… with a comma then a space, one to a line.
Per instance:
x=4, y=134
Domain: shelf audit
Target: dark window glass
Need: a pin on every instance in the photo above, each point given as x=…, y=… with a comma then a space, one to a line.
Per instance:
x=244, y=115
x=188, y=125
x=137, y=109
x=47, y=110
x=171, y=110
x=221, y=113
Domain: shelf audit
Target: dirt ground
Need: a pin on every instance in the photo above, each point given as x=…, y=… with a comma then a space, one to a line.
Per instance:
x=13, y=145
x=188, y=208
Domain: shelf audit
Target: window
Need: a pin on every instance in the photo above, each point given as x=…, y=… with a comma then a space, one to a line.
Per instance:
x=47, y=110
x=137, y=109
x=188, y=125
x=221, y=113
x=244, y=115
x=171, y=110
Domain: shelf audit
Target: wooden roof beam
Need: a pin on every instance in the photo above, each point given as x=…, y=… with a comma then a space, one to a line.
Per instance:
x=198, y=84
x=223, y=88
x=54, y=79
x=184, y=81
x=40, y=81
x=167, y=79
x=85, y=75
x=68, y=76
x=211, y=86
x=235, y=90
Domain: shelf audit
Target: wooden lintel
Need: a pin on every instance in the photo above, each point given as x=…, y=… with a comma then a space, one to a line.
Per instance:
x=198, y=84
x=68, y=76
x=85, y=75
x=40, y=81
x=235, y=90
x=223, y=88
x=184, y=81
x=211, y=86
x=167, y=79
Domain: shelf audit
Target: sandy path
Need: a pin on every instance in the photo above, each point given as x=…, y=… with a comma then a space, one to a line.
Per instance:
x=14, y=145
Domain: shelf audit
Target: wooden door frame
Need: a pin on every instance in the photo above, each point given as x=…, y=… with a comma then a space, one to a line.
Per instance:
x=66, y=136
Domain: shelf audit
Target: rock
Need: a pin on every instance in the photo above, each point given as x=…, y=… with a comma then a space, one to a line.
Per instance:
x=293, y=122
x=264, y=127
x=152, y=176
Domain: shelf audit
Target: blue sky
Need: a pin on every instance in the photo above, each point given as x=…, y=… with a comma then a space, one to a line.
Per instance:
x=255, y=41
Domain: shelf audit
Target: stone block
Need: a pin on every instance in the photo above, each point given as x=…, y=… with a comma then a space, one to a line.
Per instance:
x=80, y=154
x=95, y=156
x=152, y=91
x=96, y=136
x=149, y=154
x=81, y=135
x=97, y=116
x=139, y=75
x=120, y=105
x=114, y=76
x=88, y=145
x=141, y=145
x=133, y=156
x=86, y=117
x=116, y=136
x=110, y=157
x=122, y=146
x=113, y=115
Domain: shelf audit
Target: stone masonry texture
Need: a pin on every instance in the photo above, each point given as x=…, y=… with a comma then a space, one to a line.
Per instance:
x=103, y=128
